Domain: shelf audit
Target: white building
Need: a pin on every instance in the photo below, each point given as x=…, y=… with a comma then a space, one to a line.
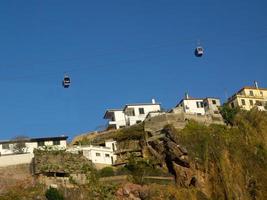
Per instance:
x=98, y=154
x=116, y=118
x=20, y=151
x=131, y=114
x=198, y=106
x=136, y=113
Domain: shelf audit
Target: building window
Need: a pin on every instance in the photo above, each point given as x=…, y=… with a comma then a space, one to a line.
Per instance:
x=251, y=102
x=97, y=154
x=243, y=102
x=130, y=112
x=251, y=93
x=213, y=101
x=261, y=93
x=232, y=105
x=199, y=104
x=138, y=121
x=5, y=146
x=40, y=144
x=258, y=103
x=141, y=111
x=56, y=142
x=107, y=155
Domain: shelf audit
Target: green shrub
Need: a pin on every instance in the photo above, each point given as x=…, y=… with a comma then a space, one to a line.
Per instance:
x=106, y=171
x=53, y=194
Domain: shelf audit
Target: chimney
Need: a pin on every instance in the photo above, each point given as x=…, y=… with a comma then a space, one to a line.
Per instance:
x=256, y=84
x=153, y=101
x=186, y=96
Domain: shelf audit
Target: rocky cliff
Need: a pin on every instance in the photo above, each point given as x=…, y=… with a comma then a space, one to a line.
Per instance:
x=219, y=161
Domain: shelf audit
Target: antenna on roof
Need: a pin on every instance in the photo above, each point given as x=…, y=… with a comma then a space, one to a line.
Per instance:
x=256, y=84
x=186, y=95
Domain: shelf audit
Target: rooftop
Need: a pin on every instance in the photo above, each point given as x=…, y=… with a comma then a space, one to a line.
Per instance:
x=34, y=139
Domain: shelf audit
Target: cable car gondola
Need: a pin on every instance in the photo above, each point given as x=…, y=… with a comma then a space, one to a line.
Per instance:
x=199, y=51
x=66, y=81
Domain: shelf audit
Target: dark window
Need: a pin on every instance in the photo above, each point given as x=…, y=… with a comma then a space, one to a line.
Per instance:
x=130, y=112
x=138, y=121
x=251, y=102
x=200, y=104
x=232, y=105
x=5, y=146
x=213, y=101
x=56, y=142
x=258, y=103
x=251, y=93
x=97, y=154
x=107, y=155
x=41, y=144
x=141, y=111
x=216, y=112
x=243, y=102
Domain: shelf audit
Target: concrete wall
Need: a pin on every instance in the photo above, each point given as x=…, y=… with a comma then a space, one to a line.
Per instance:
x=16, y=159
x=178, y=120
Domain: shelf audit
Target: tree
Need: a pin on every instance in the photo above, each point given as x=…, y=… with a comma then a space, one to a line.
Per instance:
x=138, y=168
x=228, y=114
x=19, y=145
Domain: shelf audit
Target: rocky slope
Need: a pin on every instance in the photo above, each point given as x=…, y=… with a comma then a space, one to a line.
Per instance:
x=218, y=161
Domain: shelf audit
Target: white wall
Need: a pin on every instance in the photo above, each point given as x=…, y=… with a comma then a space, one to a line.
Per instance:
x=119, y=119
x=190, y=106
x=16, y=159
x=92, y=151
x=131, y=120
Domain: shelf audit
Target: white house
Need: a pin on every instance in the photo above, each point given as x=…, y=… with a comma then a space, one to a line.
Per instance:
x=116, y=118
x=136, y=113
x=198, y=106
x=131, y=114
x=20, y=151
x=98, y=154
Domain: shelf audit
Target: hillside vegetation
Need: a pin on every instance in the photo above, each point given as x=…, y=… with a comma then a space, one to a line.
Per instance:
x=215, y=162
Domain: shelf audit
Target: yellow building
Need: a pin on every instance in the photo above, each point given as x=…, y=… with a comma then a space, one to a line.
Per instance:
x=249, y=97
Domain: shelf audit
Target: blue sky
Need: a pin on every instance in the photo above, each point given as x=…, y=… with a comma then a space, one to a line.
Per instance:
x=119, y=52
